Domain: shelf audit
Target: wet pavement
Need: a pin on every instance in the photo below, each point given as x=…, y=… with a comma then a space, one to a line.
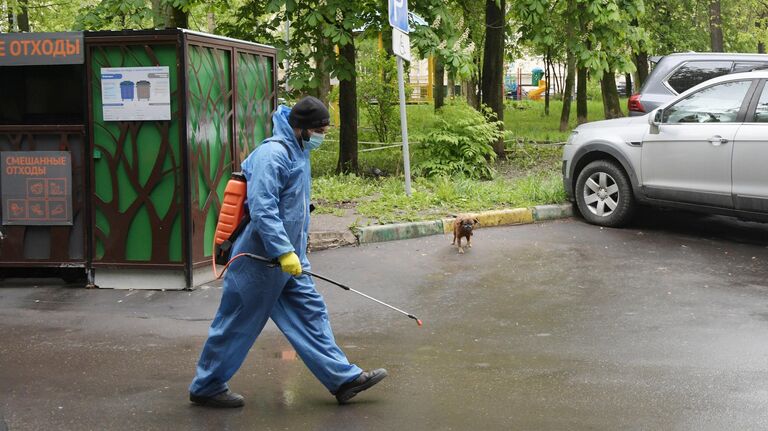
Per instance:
x=553, y=326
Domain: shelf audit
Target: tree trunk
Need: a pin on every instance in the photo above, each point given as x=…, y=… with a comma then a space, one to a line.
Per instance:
x=570, y=79
x=493, y=64
x=324, y=49
x=438, y=94
x=386, y=33
x=581, y=96
x=628, y=85
x=158, y=14
x=611, y=105
x=715, y=26
x=471, y=92
x=22, y=19
x=168, y=16
x=179, y=18
x=570, y=61
x=348, y=115
x=451, y=85
x=641, y=63
x=548, y=80
x=211, y=22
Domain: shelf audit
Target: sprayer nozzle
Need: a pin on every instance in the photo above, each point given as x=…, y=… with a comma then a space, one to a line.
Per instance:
x=418, y=322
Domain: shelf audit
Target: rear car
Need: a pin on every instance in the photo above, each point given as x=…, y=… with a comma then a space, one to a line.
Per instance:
x=675, y=73
x=706, y=150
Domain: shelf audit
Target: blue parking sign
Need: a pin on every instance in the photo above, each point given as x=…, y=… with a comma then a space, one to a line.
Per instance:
x=398, y=14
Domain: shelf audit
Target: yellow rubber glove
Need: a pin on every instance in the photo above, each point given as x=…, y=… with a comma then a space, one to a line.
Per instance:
x=289, y=262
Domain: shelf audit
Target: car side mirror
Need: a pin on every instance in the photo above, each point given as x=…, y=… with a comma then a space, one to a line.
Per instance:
x=654, y=119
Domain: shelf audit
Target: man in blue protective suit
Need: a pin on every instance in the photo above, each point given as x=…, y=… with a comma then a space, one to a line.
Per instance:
x=278, y=179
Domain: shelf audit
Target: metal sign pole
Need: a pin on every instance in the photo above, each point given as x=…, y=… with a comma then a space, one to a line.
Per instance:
x=401, y=46
x=404, y=127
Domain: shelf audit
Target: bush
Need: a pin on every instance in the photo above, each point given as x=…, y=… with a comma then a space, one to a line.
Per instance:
x=460, y=144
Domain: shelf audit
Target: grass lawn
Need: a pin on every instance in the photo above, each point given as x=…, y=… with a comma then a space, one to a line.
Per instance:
x=530, y=176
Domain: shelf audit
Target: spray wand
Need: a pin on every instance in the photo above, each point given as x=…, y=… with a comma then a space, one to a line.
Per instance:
x=274, y=262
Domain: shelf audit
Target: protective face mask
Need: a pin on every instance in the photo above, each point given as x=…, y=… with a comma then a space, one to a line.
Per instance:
x=315, y=139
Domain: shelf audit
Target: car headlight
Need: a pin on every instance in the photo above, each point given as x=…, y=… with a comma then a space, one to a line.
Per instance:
x=572, y=138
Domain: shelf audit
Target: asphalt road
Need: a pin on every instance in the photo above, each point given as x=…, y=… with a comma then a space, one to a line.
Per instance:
x=560, y=325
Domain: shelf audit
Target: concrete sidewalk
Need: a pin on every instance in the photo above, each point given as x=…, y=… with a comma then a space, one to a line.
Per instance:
x=329, y=231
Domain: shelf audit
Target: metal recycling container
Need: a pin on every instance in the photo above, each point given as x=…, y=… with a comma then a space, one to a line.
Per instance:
x=145, y=192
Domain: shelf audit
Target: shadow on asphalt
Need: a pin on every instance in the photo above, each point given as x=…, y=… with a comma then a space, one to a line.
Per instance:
x=713, y=227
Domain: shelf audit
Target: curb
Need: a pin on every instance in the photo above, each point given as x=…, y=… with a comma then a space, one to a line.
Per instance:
x=398, y=231
x=330, y=239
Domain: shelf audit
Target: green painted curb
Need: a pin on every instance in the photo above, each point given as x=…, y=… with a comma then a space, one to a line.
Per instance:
x=392, y=232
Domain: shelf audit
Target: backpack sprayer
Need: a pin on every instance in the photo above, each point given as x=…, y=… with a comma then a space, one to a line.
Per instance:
x=232, y=221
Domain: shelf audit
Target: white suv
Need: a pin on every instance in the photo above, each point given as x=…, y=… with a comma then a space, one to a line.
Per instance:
x=705, y=150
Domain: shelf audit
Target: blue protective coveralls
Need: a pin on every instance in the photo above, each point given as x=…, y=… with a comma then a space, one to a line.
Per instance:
x=278, y=202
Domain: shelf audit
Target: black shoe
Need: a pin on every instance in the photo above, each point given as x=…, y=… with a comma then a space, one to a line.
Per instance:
x=363, y=382
x=226, y=399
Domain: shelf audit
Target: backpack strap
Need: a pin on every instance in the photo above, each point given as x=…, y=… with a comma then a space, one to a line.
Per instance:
x=282, y=142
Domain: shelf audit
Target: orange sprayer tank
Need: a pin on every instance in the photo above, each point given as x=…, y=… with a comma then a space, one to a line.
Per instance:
x=230, y=217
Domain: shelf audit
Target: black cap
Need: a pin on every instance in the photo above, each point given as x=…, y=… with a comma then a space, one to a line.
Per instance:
x=309, y=113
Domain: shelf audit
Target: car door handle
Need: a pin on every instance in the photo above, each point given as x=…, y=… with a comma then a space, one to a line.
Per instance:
x=717, y=140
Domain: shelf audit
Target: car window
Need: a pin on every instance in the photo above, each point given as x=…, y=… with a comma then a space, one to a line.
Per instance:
x=761, y=112
x=696, y=72
x=749, y=66
x=716, y=104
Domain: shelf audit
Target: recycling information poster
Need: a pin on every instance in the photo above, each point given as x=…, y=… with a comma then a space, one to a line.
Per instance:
x=36, y=187
x=135, y=93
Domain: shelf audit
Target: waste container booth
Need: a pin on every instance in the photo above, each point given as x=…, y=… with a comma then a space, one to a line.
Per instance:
x=145, y=174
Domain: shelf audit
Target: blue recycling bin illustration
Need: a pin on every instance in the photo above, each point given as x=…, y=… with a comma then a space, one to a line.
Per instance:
x=126, y=90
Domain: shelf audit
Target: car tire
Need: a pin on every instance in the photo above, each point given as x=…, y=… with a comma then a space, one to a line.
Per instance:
x=604, y=194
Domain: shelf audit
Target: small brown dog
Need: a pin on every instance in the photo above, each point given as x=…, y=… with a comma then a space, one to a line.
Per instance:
x=462, y=227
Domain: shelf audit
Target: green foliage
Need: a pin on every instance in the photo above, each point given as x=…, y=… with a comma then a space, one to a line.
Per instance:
x=378, y=95
x=683, y=25
x=316, y=26
x=460, y=144
x=447, y=38
x=432, y=198
x=607, y=29
x=45, y=15
x=342, y=188
x=116, y=15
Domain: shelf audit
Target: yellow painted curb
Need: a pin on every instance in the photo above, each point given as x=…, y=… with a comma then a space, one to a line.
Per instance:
x=496, y=218
x=448, y=225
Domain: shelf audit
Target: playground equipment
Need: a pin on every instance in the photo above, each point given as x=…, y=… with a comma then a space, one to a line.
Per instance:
x=536, y=93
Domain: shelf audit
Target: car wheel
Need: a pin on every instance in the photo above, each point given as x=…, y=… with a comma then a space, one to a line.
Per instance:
x=604, y=194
